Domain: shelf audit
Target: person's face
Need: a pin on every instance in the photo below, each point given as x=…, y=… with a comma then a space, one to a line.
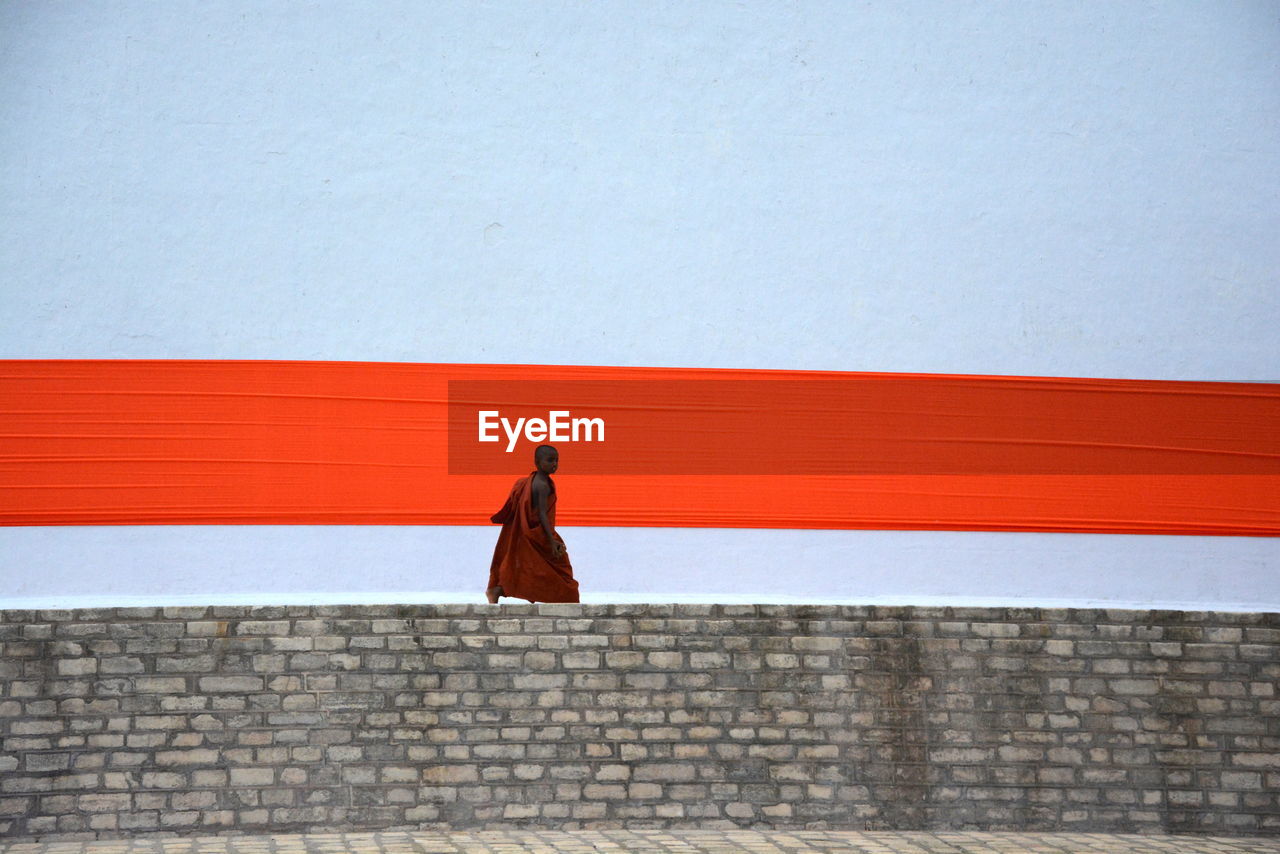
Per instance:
x=548, y=462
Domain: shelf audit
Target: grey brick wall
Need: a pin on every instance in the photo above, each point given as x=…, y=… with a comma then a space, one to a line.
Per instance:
x=225, y=719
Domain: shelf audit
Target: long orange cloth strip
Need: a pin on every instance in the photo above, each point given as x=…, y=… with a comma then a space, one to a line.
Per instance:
x=113, y=442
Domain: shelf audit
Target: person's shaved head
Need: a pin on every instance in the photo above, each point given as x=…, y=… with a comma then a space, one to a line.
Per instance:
x=546, y=459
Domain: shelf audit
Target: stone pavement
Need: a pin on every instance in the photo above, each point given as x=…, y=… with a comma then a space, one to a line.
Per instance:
x=660, y=842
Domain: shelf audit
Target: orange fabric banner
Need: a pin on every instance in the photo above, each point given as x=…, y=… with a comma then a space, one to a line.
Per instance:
x=284, y=442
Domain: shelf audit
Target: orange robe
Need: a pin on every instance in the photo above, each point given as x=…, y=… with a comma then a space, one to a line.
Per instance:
x=522, y=561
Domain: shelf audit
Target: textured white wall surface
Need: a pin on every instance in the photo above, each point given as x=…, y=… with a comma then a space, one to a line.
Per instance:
x=1060, y=188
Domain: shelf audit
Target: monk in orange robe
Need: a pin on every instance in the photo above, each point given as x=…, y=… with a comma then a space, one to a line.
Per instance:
x=530, y=560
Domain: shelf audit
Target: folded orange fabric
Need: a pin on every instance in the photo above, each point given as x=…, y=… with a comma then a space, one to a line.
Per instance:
x=289, y=442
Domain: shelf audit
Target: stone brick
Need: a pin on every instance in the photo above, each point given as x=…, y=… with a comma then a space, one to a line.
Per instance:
x=234, y=684
x=666, y=772
x=604, y=791
x=193, y=800
x=578, y=660
x=1145, y=687
x=77, y=666
x=1256, y=760
x=450, y=774
x=159, y=684
x=16, y=805
x=103, y=803
x=262, y=627
x=252, y=776
x=1241, y=780
x=187, y=757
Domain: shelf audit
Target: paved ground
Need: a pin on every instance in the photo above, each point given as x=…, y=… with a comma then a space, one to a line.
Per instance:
x=660, y=841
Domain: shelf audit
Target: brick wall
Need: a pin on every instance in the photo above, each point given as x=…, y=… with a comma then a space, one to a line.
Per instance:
x=221, y=719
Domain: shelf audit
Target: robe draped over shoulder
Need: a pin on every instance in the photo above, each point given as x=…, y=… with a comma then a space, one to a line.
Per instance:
x=522, y=560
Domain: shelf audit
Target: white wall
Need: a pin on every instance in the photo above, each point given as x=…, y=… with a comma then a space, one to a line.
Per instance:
x=1069, y=188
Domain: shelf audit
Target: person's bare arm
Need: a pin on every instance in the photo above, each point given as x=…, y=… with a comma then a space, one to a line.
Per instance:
x=540, y=492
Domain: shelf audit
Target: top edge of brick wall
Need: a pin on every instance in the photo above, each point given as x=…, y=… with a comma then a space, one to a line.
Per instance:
x=677, y=609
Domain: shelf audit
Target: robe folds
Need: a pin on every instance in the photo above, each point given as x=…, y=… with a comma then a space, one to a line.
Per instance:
x=522, y=561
